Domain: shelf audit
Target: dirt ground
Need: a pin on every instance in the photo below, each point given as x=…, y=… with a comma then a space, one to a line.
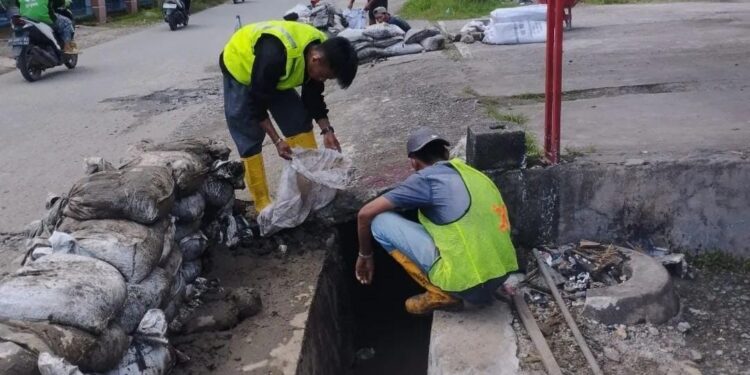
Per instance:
x=270, y=342
x=715, y=304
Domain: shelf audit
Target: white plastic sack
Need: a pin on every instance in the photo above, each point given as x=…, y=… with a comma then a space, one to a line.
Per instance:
x=356, y=18
x=520, y=32
x=536, y=12
x=308, y=183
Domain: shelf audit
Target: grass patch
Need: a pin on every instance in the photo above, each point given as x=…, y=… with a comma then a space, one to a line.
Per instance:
x=720, y=262
x=608, y=2
x=451, y=9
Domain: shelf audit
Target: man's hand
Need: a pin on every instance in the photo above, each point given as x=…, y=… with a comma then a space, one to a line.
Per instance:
x=364, y=270
x=331, y=142
x=284, y=150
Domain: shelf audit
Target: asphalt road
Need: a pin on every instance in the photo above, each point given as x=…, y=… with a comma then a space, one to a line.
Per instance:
x=48, y=127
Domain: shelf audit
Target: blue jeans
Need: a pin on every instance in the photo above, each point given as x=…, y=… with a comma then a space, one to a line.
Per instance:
x=64, y=27
x=394, y=232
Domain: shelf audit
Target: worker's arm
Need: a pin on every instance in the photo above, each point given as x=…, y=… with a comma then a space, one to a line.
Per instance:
x=312, y=97
x=268, y=68
x=369, y=4
x=365, y=267
x=351, y=4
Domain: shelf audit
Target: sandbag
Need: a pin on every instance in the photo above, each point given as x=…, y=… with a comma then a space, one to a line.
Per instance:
x=354, y=35
x=209, y=150
x=189, y=209
x=433, y=43
x=134, y=249
x=65, y=289
x=141, y=194
x=191, y=270
x=358, y=46
x=15, y=360
x=148, y=294
x=308, y=183
x=232, y=171
x=217, y=193
x=82, y=349
x=193, y=246
x=519, y=32
x=188, y=170
x=383, y=43
x=369, y=53
x=383, y=31
x=183, y=230
x=402, y=49
x=172, y=263
x=150, y=352
x=417, y=35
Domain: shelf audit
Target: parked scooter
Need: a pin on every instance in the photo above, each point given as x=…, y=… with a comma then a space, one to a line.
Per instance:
x=175, y=13
x=37, y=47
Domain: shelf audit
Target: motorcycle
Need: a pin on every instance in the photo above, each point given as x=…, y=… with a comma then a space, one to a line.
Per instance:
x=37, y=47
x=175, y=13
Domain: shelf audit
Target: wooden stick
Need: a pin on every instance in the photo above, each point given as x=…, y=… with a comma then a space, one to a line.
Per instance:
x=568, y=318
x=548, y=360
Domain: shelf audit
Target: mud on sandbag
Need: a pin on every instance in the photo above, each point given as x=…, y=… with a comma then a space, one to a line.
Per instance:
x=82, y=349
x=193, y=246
x=96, y=164
x=150, y=352
x=16, y=360
x=148, y=294
x=402, y=49
x=382, y=31
x=191, y=270
x=141, y=194
x=188, y=170
x=47, y=224
x=433, y=43
x=232, y=171
x=217, y=193
x=382, y=43
x=209, y=150
x=65, y=289
x=134, y=249
x=172, y=263
x=189, y=209
x=183, y=230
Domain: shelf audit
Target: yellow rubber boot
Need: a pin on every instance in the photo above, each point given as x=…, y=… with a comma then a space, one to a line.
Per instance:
x=433, y=299
x=255, y=179
x=303, y=140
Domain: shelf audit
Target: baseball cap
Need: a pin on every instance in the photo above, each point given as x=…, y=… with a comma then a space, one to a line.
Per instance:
x=421, y=137
x=379, y=10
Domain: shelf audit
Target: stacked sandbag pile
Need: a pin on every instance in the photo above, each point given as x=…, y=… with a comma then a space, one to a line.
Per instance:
x=119, y=250
x=323, y=16
x=385, y=40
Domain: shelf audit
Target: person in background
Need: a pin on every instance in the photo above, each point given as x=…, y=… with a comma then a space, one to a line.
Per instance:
x=382, y=16
x=370, y=7
x=44, y=11
x=263, y=64
x=460, y=250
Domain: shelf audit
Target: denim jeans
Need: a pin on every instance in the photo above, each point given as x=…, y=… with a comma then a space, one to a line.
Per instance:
x=64, y=26
x=394, y=232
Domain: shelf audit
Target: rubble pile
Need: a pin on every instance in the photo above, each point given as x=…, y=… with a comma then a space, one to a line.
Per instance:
x=114, y=261
x=385, y=40
x=576, y=268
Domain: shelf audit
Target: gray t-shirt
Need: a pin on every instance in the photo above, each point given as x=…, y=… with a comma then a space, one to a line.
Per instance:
x=438, y=191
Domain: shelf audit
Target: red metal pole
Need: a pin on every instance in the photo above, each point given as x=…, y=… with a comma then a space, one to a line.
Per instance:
x=548, y=78
x=557, y=81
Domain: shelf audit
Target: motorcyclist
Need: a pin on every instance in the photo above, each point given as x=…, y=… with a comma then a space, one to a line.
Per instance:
x=44, y=11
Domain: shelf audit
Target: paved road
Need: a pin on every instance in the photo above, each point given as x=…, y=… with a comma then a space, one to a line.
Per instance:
x=48, y=127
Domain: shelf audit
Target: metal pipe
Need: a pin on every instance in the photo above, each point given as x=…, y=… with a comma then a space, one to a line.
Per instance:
x=557, y=62
x=548, y=60
x=566, y=314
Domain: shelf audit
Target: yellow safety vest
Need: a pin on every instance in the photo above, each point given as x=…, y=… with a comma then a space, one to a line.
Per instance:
x=476, y=247
x=239, y=53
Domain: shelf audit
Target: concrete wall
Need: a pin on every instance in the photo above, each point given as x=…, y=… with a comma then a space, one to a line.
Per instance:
x=693, y=205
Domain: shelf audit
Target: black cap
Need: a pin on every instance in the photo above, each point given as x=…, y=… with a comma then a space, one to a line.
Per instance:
x=421, y=137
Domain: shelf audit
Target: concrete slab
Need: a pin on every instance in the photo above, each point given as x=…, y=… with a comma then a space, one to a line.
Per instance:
x=473, y=342
x=647, y=296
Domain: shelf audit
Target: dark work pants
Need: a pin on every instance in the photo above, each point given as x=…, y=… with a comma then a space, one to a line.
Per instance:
x=285, y=106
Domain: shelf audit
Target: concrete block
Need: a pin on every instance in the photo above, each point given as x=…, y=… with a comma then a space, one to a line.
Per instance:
x=496, y=145
x=473, y=342
x=647, y=295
